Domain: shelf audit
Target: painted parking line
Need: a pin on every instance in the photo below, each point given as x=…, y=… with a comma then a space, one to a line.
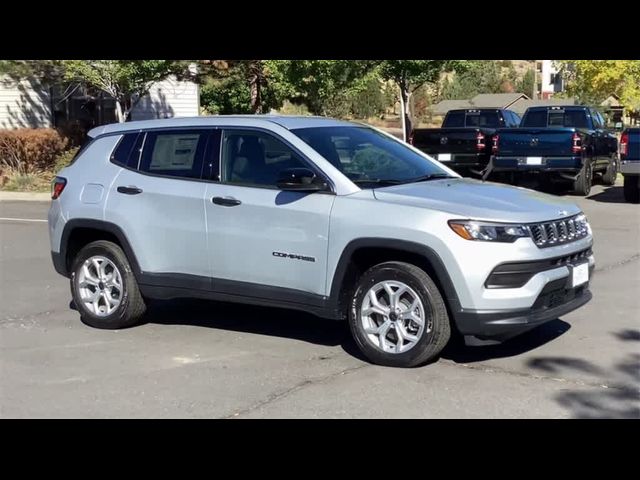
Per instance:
x=22, y=219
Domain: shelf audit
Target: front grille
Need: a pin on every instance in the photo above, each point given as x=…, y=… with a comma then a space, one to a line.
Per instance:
x=558, y=232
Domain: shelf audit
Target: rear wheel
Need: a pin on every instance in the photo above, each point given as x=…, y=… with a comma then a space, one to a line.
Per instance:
x=104, y=287
x=582, y=184
x=610, y=175
x=398, y=317
x=632, y=188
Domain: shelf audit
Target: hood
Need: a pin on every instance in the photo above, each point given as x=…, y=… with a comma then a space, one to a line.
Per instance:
x=473, y=199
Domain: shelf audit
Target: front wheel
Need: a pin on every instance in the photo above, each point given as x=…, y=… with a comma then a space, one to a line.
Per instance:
x=104, y=287
x=398, y=317
x=632, y=188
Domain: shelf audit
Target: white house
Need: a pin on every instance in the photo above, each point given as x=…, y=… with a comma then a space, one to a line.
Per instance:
x=29, y=104
x=549, y=81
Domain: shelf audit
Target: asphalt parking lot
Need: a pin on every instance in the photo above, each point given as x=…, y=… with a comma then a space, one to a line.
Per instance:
x=212, y=360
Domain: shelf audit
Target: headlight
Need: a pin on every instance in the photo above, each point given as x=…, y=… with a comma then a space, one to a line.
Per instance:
x=582, y=223
x=489, y=232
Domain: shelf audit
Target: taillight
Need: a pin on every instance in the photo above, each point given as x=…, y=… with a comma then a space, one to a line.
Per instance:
x=57, y=186
x=624, y=143
x=576, y=146
x=480, y=145
x=494, y=147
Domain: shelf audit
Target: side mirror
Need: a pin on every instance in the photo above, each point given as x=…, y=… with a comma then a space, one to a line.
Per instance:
x=300, y=180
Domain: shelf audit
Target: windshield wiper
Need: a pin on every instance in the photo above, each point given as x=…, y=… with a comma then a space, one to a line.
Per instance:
x=376, y=181
x=430, y=176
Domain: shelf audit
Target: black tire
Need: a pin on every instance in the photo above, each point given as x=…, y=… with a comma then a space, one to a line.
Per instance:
x=582, y=184
x=132, y=306
x=632, y=188
x=611, y=173
x=431, y=343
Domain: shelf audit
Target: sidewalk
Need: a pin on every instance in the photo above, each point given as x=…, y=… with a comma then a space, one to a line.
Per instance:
x=24, y=196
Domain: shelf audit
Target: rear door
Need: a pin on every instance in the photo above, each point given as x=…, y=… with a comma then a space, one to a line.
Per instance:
x=158, y=201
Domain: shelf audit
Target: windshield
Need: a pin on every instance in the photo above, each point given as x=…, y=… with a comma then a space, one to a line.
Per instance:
x=368, y=157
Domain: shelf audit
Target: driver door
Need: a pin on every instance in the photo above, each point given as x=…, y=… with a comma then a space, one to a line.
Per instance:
x=259, y=235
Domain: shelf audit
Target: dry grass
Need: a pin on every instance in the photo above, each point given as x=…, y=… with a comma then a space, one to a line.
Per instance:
x=14, y=181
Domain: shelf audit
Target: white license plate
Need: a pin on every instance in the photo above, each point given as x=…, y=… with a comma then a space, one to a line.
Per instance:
x=534, y=160
x=579, y=274
x=444, y=157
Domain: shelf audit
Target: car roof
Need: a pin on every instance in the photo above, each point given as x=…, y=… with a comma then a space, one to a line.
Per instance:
x=289, y=122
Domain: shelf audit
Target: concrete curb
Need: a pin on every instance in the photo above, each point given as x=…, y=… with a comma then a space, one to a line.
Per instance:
x=24, y=196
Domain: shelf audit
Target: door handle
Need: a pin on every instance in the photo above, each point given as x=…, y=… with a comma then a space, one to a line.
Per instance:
x=226, y=201
x=131, y=190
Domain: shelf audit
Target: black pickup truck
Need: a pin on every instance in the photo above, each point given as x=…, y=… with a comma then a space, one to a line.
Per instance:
x=463, y=142
x=630, y=163
x=569, y=142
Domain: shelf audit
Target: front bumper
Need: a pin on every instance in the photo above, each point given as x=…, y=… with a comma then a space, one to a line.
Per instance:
x=509, y=163
x=553, y=302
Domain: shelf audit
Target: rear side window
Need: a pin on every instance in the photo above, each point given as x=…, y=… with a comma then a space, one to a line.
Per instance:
x=535, y=118
x=454, y=119
x=174, y=153
x=483, y=119
x=127, y=153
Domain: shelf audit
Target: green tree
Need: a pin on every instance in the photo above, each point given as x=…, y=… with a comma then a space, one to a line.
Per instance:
x=478, y=76
x=241, y=86
x=592, y=81
x=409, y=75
x=317, y=83
x=527, y=83
x=127, y=81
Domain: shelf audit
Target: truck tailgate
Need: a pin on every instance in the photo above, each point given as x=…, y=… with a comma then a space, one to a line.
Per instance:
x=535, y=142
x=446, y=140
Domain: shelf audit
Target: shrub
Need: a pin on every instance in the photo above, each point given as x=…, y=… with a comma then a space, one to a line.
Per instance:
x=64, y=159
x=27, y=150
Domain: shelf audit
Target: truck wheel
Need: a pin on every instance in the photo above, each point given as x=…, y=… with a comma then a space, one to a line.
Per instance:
x=610, y=175
x=582, y=185
x=104, y=287
x=632, y=188
x=397, y=316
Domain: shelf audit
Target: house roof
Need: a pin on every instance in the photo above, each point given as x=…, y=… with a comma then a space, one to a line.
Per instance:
x=521, y=107
x=497, y=100
x=482, y=100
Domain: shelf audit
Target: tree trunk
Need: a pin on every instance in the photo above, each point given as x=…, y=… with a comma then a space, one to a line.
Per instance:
x=256, y=76
x=119, y=113
x=405, y=96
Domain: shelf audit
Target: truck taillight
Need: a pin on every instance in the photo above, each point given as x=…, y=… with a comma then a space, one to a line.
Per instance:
x=576, y=146
x=57, y=186
x=624, y=143
x=480, y=145
x=494, y=147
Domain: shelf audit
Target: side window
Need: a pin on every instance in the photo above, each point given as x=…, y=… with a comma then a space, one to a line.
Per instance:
x=454, y=119
x=255, y=158
x=127, y=152
x=175, y=153
x=516, y=119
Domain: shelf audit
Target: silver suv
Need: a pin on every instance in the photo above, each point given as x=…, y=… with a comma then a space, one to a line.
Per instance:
x=314, y=214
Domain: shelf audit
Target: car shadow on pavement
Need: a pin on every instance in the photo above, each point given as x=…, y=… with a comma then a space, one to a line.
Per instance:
x=273, y=322
x=617, y=396
x=609, y=195
x=309, y=328
x=458, y=352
